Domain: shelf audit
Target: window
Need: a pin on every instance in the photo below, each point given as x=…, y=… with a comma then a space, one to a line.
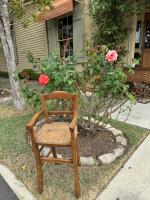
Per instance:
x=138, y=35
x=65, y=36
x=138, y=40
x=147, y=35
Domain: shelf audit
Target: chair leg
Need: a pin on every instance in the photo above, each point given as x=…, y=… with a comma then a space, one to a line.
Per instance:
x=75, y=169
x=38, y=168
x=54, y=152
x=78, y=155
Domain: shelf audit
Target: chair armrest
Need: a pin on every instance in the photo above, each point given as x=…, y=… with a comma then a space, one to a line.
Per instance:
x=73, y=122
x=34, y=119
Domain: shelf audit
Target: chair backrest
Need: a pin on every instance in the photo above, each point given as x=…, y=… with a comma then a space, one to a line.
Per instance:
x=59, y=95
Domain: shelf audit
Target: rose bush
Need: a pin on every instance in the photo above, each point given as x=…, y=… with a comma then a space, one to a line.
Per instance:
x=101, y=84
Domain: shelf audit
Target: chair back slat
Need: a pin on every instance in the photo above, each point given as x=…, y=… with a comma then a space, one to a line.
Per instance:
x=59, y=112
x=59, y=95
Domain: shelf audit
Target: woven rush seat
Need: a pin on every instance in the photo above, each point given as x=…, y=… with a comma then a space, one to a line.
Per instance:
x=55, y=133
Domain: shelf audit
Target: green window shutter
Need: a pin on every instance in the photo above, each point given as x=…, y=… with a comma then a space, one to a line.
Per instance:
x=130, y=41
x=52, y=31
x=78, y=31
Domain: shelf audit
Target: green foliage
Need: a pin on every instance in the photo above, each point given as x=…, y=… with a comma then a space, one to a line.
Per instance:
x=106, y=78
x=62, y=73
x=42, y=3
x=31, y=92
x=110, y=19
x=19, y=9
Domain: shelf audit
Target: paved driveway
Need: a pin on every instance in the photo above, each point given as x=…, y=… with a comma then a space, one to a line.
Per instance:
x=5, y=191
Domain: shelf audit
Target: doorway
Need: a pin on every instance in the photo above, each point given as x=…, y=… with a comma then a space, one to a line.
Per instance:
x=142, y=40
x=145, y=50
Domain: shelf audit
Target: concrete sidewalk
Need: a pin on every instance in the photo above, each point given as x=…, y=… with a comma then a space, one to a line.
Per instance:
x=133, y=181
x=139, y=116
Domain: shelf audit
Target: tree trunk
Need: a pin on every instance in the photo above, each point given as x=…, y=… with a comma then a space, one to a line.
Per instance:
x=5, y=35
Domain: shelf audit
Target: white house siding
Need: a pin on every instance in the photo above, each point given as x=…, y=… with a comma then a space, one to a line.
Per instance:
x=2, y=60
x=34, y=39
x=130, y=41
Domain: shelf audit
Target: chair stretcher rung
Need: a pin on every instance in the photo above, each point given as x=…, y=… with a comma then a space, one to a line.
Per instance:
x=56, y=160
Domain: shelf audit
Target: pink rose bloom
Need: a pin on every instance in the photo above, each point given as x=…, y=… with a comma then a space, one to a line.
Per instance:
x=43, y=79
x=111, y=56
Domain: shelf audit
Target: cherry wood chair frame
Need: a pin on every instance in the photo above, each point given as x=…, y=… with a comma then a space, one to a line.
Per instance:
x=39, y=159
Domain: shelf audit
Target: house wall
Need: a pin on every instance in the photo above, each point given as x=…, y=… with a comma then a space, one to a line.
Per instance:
x=87, y=22
x=130, y=41
x=33, y=38
x=2, y=60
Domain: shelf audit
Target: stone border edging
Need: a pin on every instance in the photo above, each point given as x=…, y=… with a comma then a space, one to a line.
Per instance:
x=17, y=186
x=103, y=159
x=110, y=157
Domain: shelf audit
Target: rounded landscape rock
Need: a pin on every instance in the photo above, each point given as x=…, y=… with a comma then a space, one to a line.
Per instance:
x=107, y=158
x=122, y=140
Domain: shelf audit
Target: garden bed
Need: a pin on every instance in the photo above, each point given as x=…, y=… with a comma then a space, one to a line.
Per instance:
x=96, y=144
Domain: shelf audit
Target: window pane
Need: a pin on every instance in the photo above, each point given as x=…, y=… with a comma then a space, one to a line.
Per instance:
x=147, y=35
x=65, y=26
x=60, y=32
x=138, y=35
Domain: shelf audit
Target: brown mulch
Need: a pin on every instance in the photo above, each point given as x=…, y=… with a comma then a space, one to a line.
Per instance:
x=4, y=93
x=101, y=142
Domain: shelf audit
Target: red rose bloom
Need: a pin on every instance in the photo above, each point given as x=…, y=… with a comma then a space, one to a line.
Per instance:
x=43, y=79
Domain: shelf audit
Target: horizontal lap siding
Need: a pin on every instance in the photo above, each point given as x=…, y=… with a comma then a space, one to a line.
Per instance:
x=32, y=38
x=2, y=61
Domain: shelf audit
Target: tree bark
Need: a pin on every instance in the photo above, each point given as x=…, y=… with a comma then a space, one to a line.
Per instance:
x=6, y=39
